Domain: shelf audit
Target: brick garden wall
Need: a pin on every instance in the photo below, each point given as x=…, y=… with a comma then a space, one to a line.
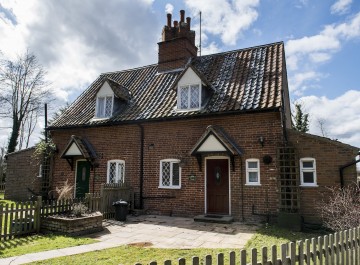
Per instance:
x=330, y=156
x=21, y=175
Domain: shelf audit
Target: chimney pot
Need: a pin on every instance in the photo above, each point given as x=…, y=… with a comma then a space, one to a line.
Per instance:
x=169, y=20
x=182, y=16
x=188, y=21
x=175, y=23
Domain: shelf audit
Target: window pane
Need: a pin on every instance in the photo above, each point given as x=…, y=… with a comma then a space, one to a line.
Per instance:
x=176, y=179
x=308, y=177
x=108, y=107
x=308, y=164
x=112, y=172
x=253, y=177
x=253, y=164
x=101, y=109
x=165, y=168
x=194, y=96
x=121, y=173
x=184, y=97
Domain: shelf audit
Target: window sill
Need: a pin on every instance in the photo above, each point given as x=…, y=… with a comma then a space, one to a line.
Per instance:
x=170, y=187
x=253, y=184
x=309, y=186
x=186, y=110
x=100, y=119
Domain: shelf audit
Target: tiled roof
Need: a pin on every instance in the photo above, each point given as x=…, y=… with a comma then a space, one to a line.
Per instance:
x=241, y=80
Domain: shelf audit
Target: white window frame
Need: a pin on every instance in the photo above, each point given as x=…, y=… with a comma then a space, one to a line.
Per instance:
x=97, y=114
x=117, y=161
x=248, y=170
x=171, y=186
x=302, y=170
x=180, y=86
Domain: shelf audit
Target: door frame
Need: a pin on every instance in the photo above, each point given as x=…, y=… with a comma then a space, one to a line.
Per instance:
x=76, y=167
x=205, y=177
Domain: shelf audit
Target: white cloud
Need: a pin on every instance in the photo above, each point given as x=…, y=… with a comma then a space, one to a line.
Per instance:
x=76, y=42
x=299, y=82
x=326, y=43
x=210, y=49
x=169, y=8
x=340, y=7
x=308, y=52
x=341, y=116
x=225, y=19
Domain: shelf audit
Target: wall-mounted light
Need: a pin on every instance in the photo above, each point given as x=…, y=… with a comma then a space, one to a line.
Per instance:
x=151, y=146
x=261, y=141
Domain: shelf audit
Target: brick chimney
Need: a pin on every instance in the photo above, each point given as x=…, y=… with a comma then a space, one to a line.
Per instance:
x=177, y=45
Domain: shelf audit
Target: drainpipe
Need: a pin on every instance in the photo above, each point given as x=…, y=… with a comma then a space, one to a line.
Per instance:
x=341, y=169
x=141, y=169
x=242, y=190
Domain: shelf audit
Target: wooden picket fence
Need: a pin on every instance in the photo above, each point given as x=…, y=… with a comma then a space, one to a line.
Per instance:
x=2, y=187
x=109, y=193
x=339, y=248
x=24, y=218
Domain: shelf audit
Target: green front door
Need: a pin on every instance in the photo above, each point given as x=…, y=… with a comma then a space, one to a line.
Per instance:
x=82, y=178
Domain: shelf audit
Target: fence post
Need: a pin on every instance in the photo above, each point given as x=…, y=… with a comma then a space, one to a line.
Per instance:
x=37, y=215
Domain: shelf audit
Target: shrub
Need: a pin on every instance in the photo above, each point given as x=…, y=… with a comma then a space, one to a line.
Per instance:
x=342, y=208
x=79, y=209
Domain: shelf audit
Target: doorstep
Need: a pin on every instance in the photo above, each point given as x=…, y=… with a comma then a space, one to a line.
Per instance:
x=211, y=218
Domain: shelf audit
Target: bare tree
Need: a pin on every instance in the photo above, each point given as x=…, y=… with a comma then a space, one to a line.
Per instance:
x=2, y=165
x=23, y=90
x=341, y=210
x=322, y=126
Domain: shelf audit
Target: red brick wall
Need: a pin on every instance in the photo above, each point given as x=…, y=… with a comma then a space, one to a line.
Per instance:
x=21, y=175
x=330, y=156
x=175, y=139
x=116, y=142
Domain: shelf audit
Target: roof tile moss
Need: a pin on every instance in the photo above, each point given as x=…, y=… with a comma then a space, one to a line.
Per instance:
x=241, y=80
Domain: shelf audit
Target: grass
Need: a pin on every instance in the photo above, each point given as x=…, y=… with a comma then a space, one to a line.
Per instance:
x=133, y=254
x=37, y=243
x=272, y=235
x=266, y=236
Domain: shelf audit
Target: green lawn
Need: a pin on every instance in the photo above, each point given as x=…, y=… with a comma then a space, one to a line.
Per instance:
x=37, y=243
x=266, y=236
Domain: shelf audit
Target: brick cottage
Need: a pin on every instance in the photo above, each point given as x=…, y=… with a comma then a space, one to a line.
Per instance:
x=199, y=135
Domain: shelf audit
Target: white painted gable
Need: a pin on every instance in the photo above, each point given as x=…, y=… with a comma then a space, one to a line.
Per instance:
x=105, y=90
x=211, y=144
x=190, y=77
x=73, y=150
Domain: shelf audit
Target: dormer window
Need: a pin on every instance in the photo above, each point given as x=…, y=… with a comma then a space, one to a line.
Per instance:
x=189, y=97
x=104, y=106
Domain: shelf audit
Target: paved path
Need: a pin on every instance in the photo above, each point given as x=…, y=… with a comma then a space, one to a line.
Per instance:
x=157, y=232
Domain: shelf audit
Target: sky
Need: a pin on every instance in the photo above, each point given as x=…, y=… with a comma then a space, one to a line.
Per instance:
x=78, y=40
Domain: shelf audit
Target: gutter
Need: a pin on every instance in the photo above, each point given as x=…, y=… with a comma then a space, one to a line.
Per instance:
x=341, y=169
x=173, y=118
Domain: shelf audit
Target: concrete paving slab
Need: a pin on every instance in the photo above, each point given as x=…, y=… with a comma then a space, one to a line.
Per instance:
x=157, y=232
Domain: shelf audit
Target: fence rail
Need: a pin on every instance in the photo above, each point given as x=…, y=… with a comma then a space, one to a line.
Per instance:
x=19, y=219
x=25, y=217
x=109, y=193
x=339, y=248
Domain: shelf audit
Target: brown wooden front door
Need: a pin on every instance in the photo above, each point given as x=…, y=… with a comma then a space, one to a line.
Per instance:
x=217, y=186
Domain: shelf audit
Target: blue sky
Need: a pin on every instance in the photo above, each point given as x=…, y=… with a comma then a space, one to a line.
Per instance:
x=76, y=41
